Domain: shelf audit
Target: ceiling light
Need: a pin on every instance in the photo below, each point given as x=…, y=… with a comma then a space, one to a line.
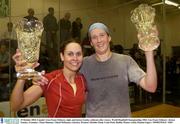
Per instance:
x=168, y=2
x=155, y=4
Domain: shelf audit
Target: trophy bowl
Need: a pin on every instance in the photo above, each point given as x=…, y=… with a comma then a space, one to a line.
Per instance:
x=29, y=39
x=143, y=19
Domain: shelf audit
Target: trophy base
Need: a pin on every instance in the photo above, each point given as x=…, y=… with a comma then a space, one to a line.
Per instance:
x=28, y=74
x=149, y=43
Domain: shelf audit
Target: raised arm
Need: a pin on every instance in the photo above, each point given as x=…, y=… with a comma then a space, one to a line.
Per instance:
x=20, y=99
x=149, y=82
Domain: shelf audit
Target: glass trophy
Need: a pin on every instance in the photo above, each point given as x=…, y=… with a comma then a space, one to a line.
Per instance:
x=143, y=19
x=29, y=39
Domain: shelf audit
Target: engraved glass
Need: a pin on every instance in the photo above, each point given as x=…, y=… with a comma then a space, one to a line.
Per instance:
x=143, y=19
x=29, y=39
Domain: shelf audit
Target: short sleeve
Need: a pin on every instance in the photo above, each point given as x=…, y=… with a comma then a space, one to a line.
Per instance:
x=44, y=87
x=135, y=73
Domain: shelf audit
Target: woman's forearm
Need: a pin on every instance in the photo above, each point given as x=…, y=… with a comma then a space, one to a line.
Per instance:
x=151, y=77
x=17, y=96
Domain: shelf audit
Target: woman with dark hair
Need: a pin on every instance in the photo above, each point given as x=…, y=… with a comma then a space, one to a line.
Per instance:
x=64, y=89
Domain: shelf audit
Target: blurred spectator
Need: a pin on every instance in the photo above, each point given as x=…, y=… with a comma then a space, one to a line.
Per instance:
x=173, y=77
x=4, y=10
x=118, y=49
x=50, y=28
x=4, y=72
x=87, y=49
x=65, y=28
x=133, y=50
x=10, y=33
x=138, y=56
x=76, y=28
x=112, y=45
x=178, y=65
x=30, y=15
x=4, y=59
x=170, y=66
x=86, y=41
x=10, y=38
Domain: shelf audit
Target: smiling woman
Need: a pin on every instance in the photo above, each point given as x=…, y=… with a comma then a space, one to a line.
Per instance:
x=63, y=89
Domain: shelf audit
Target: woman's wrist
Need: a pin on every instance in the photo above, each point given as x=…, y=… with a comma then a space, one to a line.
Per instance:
x=20, y=80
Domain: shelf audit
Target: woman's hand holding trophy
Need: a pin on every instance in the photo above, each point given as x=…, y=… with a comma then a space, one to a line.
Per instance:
x=22, y=65
x=143, y=18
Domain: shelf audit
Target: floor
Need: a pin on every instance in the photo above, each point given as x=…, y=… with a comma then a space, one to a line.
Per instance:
x=160, y=110
x=154, y=107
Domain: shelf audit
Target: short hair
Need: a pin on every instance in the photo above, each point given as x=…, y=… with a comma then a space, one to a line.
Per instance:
x=50, y=8
x=30, y=10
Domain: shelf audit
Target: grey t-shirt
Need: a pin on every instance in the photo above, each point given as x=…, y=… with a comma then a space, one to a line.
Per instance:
x=107, y=85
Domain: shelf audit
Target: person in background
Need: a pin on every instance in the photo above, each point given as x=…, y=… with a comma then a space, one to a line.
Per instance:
x=30, y=16
x=4, y=59
x=138, y=55
x=50, y=28
x=4, y=73
x=63, y=89
x=108, y=75
x=76, y=28
x=87, y=48
x=65, y=27
x=133, y=50
x=118, y=49
x=10, y=34
x=10, y=38
x=4, y=9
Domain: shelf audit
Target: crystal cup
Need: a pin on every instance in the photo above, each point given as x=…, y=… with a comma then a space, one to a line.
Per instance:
x=143, y=19
x=29, y=39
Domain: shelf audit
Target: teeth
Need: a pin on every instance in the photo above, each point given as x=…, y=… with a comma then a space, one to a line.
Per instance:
x=100, y=45
x=74, y=63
